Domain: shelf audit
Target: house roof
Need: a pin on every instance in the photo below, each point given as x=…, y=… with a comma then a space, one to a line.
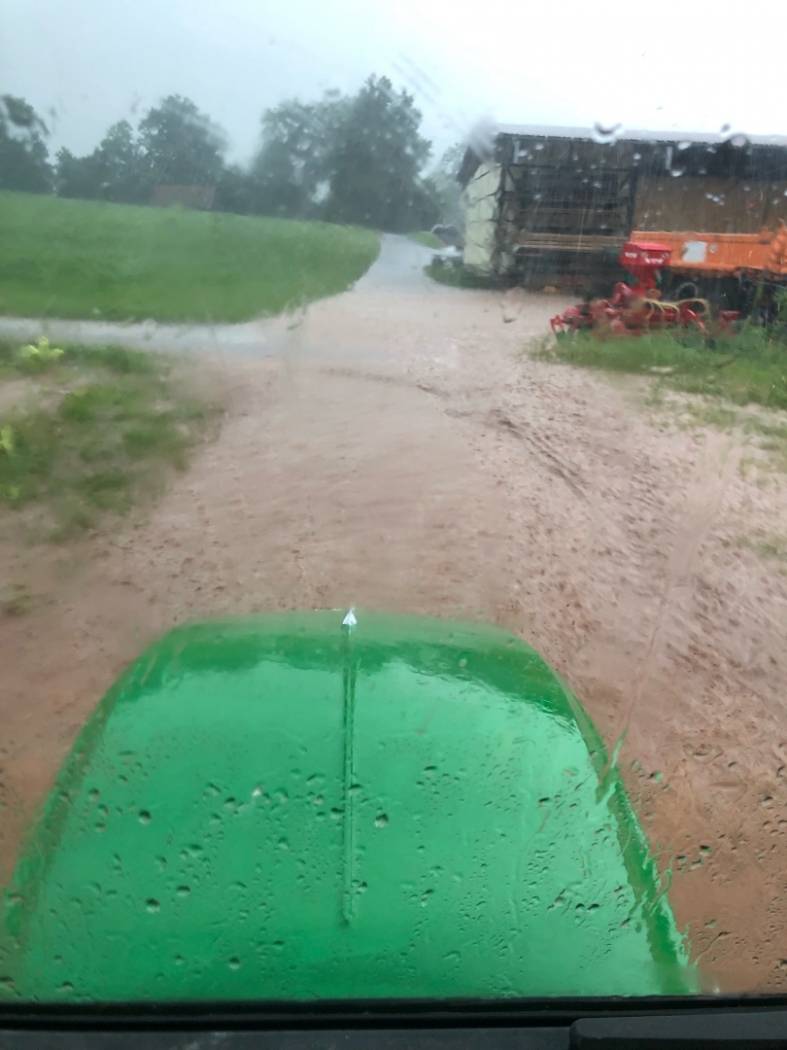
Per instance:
x=631, y=135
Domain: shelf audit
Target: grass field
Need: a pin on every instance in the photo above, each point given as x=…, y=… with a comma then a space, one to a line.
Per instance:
x=748, y=368
x=88, y=259
x=90, y=430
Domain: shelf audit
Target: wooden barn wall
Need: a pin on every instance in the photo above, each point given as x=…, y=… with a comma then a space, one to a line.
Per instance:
x=708, y=204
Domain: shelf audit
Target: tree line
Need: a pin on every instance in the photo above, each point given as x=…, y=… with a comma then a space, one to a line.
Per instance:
x=351, y=159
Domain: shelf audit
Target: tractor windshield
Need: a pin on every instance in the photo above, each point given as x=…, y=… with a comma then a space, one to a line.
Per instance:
x=393, y=486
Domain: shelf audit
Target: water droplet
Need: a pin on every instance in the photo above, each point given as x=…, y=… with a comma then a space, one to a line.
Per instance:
x=144, y=816
x=152, y=905
x=430, y=771
x=94, y=795
x=66, y=987
x=183, y=891
x=684, y=145
x=234, y=963
x=381, y=820
x=257, y=791
x=179, y=960
x=318, y=800
x=283, y=844
x=604, y=136
x=677, y=172
x=100, y=826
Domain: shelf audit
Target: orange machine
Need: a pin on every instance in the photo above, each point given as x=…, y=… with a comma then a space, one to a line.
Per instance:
x=724, y=254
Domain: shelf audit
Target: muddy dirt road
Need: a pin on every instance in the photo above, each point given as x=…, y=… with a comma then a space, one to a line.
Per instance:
x=399, y=451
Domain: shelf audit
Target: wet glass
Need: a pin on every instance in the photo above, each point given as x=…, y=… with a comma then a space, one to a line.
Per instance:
x=393, y=441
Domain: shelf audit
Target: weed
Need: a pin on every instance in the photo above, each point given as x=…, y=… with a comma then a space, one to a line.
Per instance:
x=116, y=423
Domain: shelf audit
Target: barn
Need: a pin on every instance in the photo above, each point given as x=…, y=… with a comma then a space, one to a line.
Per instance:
x=552, y=206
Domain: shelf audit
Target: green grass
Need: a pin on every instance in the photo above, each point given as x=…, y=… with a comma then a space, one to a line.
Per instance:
x=96, y=430
x=89, y=259
x=426, y=238
x=748, y=368
x=767, y=546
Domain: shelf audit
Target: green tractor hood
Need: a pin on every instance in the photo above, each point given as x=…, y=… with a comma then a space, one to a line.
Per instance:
x=289, y=808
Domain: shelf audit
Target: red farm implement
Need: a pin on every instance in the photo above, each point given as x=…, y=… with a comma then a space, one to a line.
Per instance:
x=637, y=307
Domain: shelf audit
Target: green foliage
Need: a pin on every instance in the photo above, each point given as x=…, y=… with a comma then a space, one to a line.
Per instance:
x=350, y=160
x=107, y=442
x=449, y=191
x=181, y=146
x=750, y=367
x=83, y=259
x=36, y=356
x=116, y=170
x=292, y=171
x=24, y=159
x=426, y=238
x=375, y=162
x=353, y=160
x=175, y=144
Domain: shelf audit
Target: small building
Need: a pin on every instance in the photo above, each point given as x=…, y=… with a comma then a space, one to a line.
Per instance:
x=552, y=205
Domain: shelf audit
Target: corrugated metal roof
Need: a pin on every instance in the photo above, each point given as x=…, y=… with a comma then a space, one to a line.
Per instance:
x=631, y=135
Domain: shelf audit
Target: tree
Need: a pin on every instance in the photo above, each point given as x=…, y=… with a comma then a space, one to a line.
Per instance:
x=24, y=158
x=180, y=145
x=235, y=192
x=114, y=171
x=121, y=167
x=354, y=159
x=76, y=176
x=376, y=161
x=445, y=179
x=291, y=170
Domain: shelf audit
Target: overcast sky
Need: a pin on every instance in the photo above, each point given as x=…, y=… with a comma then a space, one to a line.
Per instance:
x=87, y=63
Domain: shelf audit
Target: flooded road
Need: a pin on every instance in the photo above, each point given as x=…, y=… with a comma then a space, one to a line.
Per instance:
x=396, y=448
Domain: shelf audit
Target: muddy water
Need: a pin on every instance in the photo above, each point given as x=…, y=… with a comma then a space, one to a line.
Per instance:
x=399, y=452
